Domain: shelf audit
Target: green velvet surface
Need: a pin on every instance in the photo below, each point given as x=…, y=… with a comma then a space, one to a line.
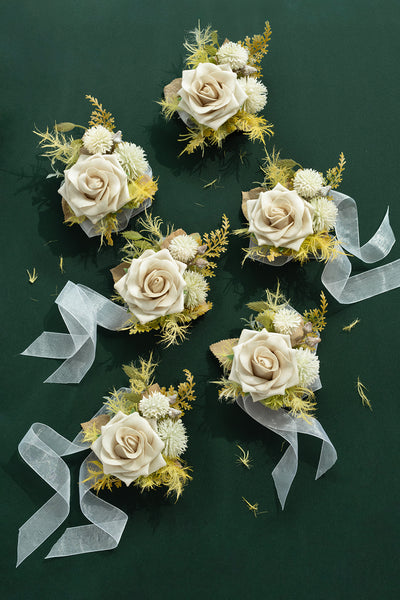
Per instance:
x=333, y=79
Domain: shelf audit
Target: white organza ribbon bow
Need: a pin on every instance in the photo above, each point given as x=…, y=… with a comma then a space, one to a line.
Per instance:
x=336, y=275
x=42, y=449
x=82, y=310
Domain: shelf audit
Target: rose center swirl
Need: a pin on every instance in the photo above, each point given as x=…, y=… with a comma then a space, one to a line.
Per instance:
x=264, y=363
x=127, y=443
x=157, y=283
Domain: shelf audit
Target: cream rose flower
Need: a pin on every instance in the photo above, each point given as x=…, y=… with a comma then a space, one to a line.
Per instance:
x=279, y=217
x=153, y=285
x=129, y=447
x=264, y=364
x=95, y=186
x=211, y=94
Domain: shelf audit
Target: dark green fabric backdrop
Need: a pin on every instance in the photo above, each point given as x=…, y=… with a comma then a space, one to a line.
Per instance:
x=333, y=80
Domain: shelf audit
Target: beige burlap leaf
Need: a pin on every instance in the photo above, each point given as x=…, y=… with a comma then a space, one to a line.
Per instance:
x=119, y=271
x=171, y=90
x=250, y=195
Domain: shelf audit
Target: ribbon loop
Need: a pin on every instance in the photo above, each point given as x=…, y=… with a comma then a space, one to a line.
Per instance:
x=82, y=309
x=284, y=424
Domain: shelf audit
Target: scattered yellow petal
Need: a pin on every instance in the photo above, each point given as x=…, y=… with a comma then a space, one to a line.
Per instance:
x=253, y=507
x=211, y=184
x=61, y=264
x=351, y=325
x=32, y=276
x=361, y=389
x=244, y=457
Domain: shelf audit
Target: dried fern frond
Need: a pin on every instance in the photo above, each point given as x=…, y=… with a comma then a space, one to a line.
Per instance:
x=317, y=316
x=99, y=480
x=152, y=226
x=334, y=176
x=140, y=190
x=169, y=106
x=217, y=240
x=173, y=331
x=119, y=401
x=229, y=390
x=140, y=374
x=278, y=170
x=185, y=393
x=91, y=433
x=256, y=127
x=58, y=147
x=258, y=46
x=320, y=246
x=100, y=116
x=174, y=476
x=196, y=138
x=201, y=45
x=361, y=389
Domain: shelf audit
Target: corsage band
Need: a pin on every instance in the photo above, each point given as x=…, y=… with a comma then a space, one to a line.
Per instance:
x=137, y=437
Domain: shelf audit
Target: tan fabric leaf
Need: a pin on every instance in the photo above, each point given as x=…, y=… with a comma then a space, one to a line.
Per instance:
x=250, y=195
x=172, y=88
x=99, y=421
x=119, y=271
x=224, y=347
x=170, y=237
x=66, y=210
x=153, y=388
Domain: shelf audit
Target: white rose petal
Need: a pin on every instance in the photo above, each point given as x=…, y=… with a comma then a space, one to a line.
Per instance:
x=95, y=186
x=264, y=364
x=153, y=285
x=211, y=94
x=129, y=447
x=279, y=217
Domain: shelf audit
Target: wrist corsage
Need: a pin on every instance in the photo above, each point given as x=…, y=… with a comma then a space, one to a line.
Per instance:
x=292, y=216
x=106, y=181
x=220, y=91
x=272, y=371
x=137, y=438
x=164, y=277
x=297, y=214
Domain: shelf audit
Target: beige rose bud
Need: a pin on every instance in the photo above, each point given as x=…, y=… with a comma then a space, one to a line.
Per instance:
x=264, y=364
x=129, y=447
x=95, y=186
x=153, y=285
x=279, y=217
x=211, y=94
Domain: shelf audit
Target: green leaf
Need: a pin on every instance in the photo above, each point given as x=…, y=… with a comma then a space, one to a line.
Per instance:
x=132, y=235
x=64, y=127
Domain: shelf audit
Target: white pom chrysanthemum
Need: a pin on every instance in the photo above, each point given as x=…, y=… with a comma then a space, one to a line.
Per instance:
x=183, y=247
x=308, y=182
x=286, y=320
x=195, y=290
x=325, y=214
x=256, y=94
x=132, y=159
x=308, y=366
x=173, y=434
x=98, y=139
x=154, y=406
x=232, y=54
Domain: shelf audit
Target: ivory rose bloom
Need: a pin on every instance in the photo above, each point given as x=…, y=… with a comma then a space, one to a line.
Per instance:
x=95, y=186
x=129, y=447
x=279, y=217
x=211, y=94
x=264, y=364
x=153, y=285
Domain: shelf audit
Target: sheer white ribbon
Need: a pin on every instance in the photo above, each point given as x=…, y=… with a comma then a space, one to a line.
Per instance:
x=336, y=276
x=82, y=310
x=123, y=218
x=287, y=426
x=42, y=449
